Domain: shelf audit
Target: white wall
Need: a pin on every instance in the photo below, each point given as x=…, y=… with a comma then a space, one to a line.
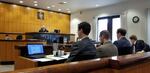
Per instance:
x=148, y=25
x=127, y=10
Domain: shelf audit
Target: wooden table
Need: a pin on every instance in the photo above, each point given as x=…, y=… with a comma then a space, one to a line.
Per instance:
x=8, y=51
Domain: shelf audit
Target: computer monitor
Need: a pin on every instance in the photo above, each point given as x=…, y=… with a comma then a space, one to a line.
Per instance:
x=34, y=49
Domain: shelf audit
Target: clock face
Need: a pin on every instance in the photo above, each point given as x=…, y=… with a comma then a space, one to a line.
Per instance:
x=135, y=19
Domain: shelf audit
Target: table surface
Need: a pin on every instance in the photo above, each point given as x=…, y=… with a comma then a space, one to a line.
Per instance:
x=51, y=58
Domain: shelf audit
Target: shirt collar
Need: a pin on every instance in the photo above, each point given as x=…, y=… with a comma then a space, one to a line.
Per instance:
x=134, y=42
x=83, y=38
x=107, y=42
x=121, y=37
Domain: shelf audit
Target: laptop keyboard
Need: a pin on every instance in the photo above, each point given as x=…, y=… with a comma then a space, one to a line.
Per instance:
x=37, y=56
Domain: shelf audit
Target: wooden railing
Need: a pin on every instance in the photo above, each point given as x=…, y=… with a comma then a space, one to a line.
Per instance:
x=134, y=63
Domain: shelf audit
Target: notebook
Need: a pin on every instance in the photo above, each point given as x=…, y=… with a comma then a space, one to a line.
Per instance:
x=35, y=51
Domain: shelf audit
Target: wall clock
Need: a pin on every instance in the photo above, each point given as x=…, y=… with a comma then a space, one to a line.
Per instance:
x=135, y=19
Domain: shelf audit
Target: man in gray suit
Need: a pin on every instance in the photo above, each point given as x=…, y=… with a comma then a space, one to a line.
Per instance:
x=107, y=49
x=83, y=49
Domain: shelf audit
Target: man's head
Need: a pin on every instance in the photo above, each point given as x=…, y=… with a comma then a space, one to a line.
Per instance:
x=121, y=32
x=84, y=28
x=133, y=38
x=104, y=35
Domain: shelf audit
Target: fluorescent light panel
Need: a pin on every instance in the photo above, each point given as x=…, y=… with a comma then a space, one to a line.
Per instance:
x=21, y=1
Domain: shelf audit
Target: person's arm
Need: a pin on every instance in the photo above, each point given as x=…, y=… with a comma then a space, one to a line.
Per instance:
x=116, y=44
x=99, y=52
x=76, y=48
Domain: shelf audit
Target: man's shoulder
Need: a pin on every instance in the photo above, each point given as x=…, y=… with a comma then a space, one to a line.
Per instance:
x=108, y=46
x=81, y=42
x=139, y=41
x=85, y=40
x=123, y=41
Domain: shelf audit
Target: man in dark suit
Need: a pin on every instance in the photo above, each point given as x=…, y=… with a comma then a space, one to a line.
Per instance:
x=43, y=29
x=123, y=45
x=138, y=45
x=83, y=49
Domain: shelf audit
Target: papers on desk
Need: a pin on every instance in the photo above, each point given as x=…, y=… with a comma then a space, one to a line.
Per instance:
x=65, y=56
x=43, y=59
x=57, y=58
x=51, y=58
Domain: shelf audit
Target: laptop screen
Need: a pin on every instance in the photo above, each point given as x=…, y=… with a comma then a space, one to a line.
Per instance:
x=35, y=49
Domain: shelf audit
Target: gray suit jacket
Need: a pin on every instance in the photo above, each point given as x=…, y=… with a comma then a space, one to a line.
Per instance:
x=107, y=50
x=82, y=50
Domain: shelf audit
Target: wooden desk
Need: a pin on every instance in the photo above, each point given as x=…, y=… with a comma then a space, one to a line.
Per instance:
x=29, y=63
x=23, y=63
x=8, y=51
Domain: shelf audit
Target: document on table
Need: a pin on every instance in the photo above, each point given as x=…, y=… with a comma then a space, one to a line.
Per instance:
x=65, y=56
x=57, y=58
x=43, y=59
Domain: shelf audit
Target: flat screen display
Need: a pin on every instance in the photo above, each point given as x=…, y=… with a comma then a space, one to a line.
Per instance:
x=35, y=49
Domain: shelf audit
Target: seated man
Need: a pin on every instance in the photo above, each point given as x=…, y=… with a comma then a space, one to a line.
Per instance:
x=83, y=49
x=138, y=45
x=19, y=37
x=43, y=29
x=7, y=37
x=107, y=49
x=123, y=45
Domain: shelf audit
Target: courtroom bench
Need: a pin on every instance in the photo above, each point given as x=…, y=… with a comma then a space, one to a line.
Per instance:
x=72, y=67
x=133, y=63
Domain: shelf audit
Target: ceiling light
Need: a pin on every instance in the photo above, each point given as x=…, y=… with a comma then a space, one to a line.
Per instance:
x=59, y=9
x=69, y=11
x=64, y=2
x=97, y=5
x=21, y=2
x=35, y=4
x=48, y=7
x=53, y=5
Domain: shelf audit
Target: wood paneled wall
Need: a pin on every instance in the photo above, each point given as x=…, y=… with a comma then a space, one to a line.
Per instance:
x=22, y=19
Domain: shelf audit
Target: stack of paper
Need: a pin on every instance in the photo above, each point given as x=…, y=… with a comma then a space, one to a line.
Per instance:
x=43, y=59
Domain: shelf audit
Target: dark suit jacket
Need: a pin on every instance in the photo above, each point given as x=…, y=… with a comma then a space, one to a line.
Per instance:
x=139, y=45
x=124, y=46
x=82, y=50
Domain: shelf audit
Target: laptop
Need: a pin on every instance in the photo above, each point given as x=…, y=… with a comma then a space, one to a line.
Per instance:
x=35, y=51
